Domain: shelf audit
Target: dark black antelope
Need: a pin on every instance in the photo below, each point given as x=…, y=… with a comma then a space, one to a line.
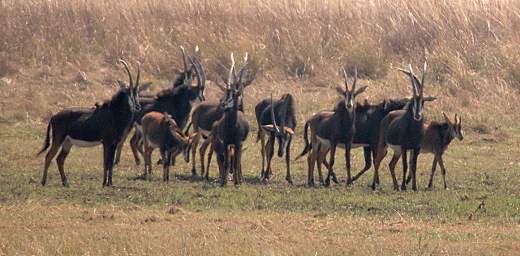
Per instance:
x=277, y=119
x=437, y=137
x=203, y=117
x=402, y=130
x=177, y=101
x=161, y=131
x=105, y=125
x=368, y=119
x=230, y=131
x=330, y=129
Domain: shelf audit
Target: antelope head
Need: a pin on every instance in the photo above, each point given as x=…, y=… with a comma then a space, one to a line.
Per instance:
x=349, y=96
x=187, y=76
x=133, y=89
x=418, y=99
x=234, y=85
x=455, y=128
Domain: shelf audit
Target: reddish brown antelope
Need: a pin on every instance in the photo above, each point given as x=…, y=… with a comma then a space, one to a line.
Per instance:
x=203, y=118
x=160, y=131
x=330, y=129
x=403, y=130
x=230, y=131
x=277, y=120
x=89, y=127
x=437, y=137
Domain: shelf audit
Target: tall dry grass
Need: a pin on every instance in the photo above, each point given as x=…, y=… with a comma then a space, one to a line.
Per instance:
x=471, y=45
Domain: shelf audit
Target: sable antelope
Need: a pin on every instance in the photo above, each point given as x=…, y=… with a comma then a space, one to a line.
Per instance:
x=437, y=137
x=230, y=131
x=368, y=119
x=330, y=129
x=278, y=120
x=105, y=125
x=177, y=101
x=203, y=118
x=161, y=131
x=403, y=131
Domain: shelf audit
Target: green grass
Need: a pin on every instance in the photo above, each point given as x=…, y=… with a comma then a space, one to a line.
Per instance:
x=477, y=172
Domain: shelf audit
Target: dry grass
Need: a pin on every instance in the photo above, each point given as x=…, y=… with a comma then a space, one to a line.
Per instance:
x=471, y=46
x=71, y=230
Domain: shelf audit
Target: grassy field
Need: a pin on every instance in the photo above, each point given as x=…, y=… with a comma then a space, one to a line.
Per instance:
x=480, y=214
x=294, y=46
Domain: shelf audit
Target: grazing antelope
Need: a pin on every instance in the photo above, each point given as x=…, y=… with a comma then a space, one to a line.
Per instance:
x=161, y=131
x=330, y=129
x=403, y=130
x=203, y=118
x=230, y=131
x=177, y=101
x=105, y=125
x=368, y=119
x=277, y=120
x=437, y=137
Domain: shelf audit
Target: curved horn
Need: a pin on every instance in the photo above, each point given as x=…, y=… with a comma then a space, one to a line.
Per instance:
x=346, y=79
x=422, y=78
x=184, y=59
x=138, y=76
x=277, y=129
x=128, y=72
x=241, y=72
x=412, y=77
x=231, y=70
x=355, y=79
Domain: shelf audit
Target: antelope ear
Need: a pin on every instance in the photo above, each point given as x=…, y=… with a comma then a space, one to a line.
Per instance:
x=360, y=90
x=268, y=127
x=446, y=118
x=289, y=130
x=340, y=91
x=429, y=98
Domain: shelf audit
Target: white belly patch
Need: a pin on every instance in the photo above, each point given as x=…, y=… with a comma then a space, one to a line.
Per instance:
x=82, y=143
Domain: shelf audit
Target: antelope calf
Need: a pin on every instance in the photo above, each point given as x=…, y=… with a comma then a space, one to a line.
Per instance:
x=437, y=137
x=229, y=132
x=277, y=119
x=161, y=131
x=330, y=129
x=105, y=124
x=403, y=130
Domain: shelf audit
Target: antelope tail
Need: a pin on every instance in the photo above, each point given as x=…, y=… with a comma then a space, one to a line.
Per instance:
x=308, y=146
x=47, y=141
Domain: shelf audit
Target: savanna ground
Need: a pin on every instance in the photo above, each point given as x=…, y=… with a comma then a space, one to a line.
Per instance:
x=297, y=47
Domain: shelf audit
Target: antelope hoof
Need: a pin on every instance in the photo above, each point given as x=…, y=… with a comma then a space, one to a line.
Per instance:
x=310, y=183
x=65, y=184
x=335, y=179
x=403, y=187
x=193, y=172
x=289, y=180
x=349, y=182
x=327, y=182
x=137, y=162
x=414, y=188
x=374, y=186
x=44, y=183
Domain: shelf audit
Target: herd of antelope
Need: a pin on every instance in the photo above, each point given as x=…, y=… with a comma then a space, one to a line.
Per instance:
x=163, y=121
